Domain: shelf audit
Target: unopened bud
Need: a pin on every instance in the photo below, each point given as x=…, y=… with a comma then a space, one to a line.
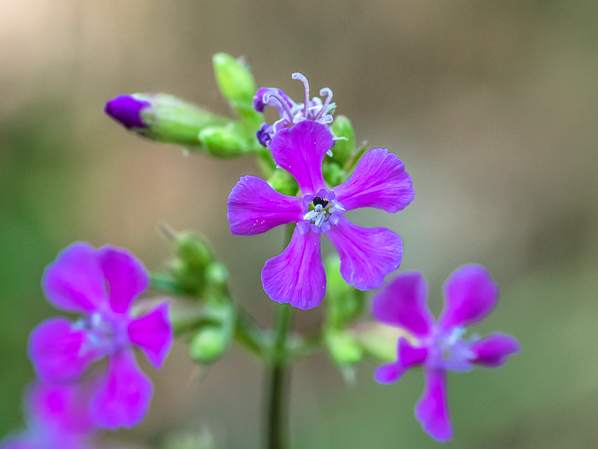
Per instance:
x=234, y=78
x=344, y=348
x=238, y=86
x=212, y=339
x=333, y=173
x=162, y=117
x=216, y=276
x=193, y=256
x=208, y=344
x=193, y=250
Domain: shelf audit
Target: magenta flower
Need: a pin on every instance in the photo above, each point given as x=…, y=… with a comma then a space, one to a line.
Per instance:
x=57, y=418
x=290, y=112
x=470, y=295
x=101, y=284
x=367, y=255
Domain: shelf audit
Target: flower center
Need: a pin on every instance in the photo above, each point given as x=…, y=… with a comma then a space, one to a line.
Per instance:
x=323, y=210
x=103, y=334
x=452, y=352
x=320, y=202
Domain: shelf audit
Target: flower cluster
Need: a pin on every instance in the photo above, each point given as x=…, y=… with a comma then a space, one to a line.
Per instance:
x=470, y=295
x=71, y=401
x=101, y=285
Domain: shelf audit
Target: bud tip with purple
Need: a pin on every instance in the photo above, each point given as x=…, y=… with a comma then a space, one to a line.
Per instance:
x=126, y=109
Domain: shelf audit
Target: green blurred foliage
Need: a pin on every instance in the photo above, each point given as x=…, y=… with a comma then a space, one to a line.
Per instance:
x=37, y=192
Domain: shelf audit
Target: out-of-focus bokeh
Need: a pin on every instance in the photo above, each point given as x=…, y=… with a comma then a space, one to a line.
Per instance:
x=493, y=107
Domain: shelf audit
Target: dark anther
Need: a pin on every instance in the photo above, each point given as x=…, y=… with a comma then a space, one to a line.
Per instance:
x=318, y=200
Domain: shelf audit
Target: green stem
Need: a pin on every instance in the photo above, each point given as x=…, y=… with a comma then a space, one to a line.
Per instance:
x=277, y=411
x=278, y=376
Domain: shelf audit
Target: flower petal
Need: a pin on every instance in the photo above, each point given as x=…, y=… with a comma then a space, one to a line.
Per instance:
x=153, y=333
x=407, y=357
x=125, y=275
x=388, y=373
x=432, y=410
x=410, y=356
x=493, y=350
x=379, y=181
x=258, y=100
x=64, y=407
x=59, y=352
x=297, y=275
x=300, y=150
x=124, y=394
x=255, y=207
x=20, y=442
x=470, y=294
x=74, y=281
x=402, y=303
x=367, y=254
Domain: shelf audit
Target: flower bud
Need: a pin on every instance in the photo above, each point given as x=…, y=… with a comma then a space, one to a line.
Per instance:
x=234, y=79
x=162, y=117
x=216, y=276
x=344, y=348
x=283, y=182
x=380, y=340
x=213, y=337
x=208, y=344
x=333, y=174
x=238, y=86
x=193, y=250
x=188, y=270
x=223, y=142
x=343, y=147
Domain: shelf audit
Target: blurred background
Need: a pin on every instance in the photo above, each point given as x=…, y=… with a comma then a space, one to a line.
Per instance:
x=491, y=105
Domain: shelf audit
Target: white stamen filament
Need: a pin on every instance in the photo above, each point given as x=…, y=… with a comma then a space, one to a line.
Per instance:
x=303, y=79
x=281, y=100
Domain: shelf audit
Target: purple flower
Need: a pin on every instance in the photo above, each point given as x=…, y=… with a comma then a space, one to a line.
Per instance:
x=470, y=295
x=101, y=284
x=367, y=255
x=58, y=418
x=126, y=109
x=290, y=112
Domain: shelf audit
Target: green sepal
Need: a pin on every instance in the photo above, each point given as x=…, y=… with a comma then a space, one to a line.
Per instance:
x=345, y=303
x=175, y=121
x=343, y=147
x=283, y=182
